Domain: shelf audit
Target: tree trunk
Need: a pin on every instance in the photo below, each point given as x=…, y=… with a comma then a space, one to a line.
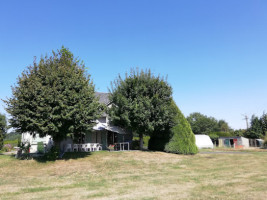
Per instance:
x=141, y=141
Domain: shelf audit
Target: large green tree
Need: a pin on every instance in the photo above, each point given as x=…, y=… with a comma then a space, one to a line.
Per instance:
x=141, y=103
x=201, y=124
x=54, y=96
x=256, y=129
x=3, y=129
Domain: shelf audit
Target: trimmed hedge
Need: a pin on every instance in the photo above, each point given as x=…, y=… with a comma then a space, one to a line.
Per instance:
x=183, y=139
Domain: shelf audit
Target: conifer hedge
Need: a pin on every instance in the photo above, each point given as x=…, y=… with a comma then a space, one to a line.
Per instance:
x=183, y=139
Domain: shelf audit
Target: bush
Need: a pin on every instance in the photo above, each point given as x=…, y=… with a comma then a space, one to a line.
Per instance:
x=52, y=154
x=24, y=151
x=157, y=143
x=12, y=136
x=40, y=147
x=183, y=139
x=1, y=140
x=7, y=147
x=221, y=134
x=135, y=145
x=13, y=143
x=145, y=141
x=265, y=142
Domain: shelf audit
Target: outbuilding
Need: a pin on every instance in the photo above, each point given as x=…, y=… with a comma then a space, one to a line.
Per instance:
x=236, y=142
x=203, y=141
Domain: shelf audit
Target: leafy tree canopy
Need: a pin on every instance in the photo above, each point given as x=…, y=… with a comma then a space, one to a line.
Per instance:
x=3, y=129
x=202, y=124
x=55, y=97
x=141, y=103
x=257, y=127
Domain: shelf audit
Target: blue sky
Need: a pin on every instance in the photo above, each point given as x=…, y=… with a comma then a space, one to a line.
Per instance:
x=213, y=52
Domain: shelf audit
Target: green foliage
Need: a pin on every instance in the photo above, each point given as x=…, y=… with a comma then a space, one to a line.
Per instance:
x=3, y=129
x=40, y=147
x=239, y=132
x=52, y=154
x=183, y=139
x=12, y=136
x=263, y=121
x=25, y=148
x=215, y=135
x=202, y=124
x=141, y=103
x=7, y=147
x=157, y=143
x=135, y=144
x=145, y=140
x=265, y=142
x=256, y=129
x=222, y=134
x=55, y=97
x=14, y=143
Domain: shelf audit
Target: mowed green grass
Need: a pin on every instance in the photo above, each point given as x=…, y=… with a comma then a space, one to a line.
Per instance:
x=137, y=175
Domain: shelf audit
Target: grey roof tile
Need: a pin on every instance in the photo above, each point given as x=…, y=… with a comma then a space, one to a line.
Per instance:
x=103, y=97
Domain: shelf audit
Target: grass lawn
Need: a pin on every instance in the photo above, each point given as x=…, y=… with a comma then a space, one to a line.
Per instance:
x=137, y=175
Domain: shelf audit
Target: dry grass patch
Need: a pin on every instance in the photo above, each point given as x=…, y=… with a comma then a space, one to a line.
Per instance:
x=137, y=175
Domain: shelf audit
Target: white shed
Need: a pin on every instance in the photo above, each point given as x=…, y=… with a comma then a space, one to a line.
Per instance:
x=203, y=141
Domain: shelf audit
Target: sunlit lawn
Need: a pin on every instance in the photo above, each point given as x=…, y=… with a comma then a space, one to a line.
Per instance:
x=137, y=175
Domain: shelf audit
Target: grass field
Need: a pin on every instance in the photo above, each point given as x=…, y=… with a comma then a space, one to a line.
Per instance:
x=137, y=175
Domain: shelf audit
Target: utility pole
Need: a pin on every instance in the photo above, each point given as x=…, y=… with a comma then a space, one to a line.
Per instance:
x=246, y=118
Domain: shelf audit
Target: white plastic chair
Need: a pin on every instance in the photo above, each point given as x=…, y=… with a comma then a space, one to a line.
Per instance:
x=98, y=147
x=84, y=147
x=93, y=146
x=88, y=148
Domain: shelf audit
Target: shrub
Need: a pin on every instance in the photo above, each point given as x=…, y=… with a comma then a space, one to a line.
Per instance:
x=157, y=143
x=221, y=134
x=12, y=142
x=24, y=151
x=145, y=141
x=1, y=140
x=265, y=142
x=40, y=147
x=7, y=147
x=183, y=139
x=52, y=154
x=135, y=145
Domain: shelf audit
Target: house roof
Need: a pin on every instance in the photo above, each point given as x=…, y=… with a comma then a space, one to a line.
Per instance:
x=103, y=97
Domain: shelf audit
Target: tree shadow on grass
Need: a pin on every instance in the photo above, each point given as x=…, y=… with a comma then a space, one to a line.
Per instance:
x=75, y=155
x=66, y=156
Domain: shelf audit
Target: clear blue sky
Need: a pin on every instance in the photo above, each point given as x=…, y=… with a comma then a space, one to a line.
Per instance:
x=214, y=52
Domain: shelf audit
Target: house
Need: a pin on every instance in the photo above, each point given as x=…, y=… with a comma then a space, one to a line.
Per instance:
x=234, y=142
x=203, y=141
x=33, y=141
x=103, y=133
